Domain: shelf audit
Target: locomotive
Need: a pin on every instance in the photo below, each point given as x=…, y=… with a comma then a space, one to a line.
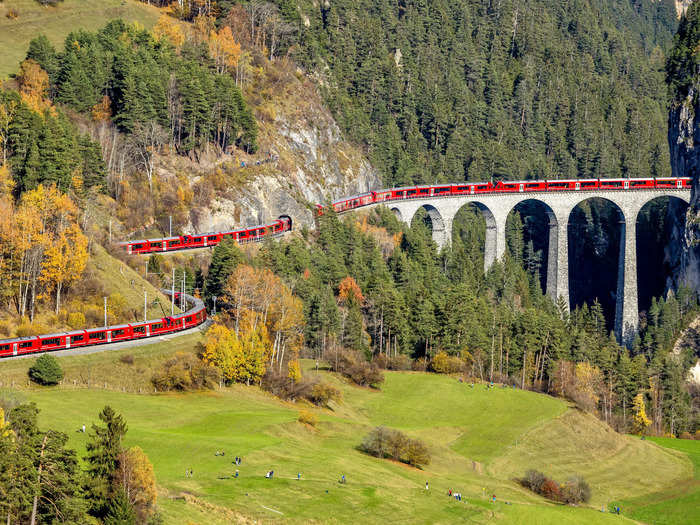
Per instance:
x=195, y=316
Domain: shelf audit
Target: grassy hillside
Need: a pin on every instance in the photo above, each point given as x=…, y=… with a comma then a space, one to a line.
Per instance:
x=57, y=22
x=479, y=439
x=677, y=505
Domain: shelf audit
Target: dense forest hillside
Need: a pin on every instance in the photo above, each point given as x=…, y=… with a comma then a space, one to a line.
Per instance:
x=477, y=90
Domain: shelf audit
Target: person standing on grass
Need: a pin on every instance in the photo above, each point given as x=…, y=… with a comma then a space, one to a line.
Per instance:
x=298, y=476
x=426, y=485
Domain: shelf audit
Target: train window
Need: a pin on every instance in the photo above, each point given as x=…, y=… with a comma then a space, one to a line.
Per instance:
x=442, y=190
x=26, y=344
x=243, y=234
x=52, y=341
x=590, y=184
x=462, y=188
x=157, y=326
x=116, y=333
x=639, y=183
x=174, y=243
x=98, y=335
x=156, y=245
x=411, y=192
x=137, y=246
x=613, y=183
x=4, y=347
x=139, y=329
x=212, y=238
x=197, y=239
x=482, y=187
x=77, y=338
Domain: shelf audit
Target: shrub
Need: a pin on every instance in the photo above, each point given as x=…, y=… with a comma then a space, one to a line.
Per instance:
x=46, y=370
x=76, y=320
x=384, y=442
x=127, y=359
x=5, y=328
x=576, y=490
x=550, y=490
x=533, y=480
x=417, y=453
x=323, y=393
x=443, y=363
x=685, y=435
x=26, y=329
x=185, y=372
x=284, y=387
x=355, y=366
x=400, y=362
x=307, y=418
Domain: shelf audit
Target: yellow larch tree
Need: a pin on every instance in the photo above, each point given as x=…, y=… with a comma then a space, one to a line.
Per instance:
x=169, y=29
x=33, y=85
x=224, y=49
x=136, y=478
x=66, y=258
x=640, y=420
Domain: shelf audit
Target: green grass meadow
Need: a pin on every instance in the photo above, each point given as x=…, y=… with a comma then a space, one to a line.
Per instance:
x=479, y=439
x=56, y=22
x=677, y=505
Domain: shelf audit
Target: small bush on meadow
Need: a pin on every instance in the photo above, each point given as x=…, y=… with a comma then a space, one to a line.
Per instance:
x=307, y=418
x=574, y=491
x=127, y=359
x=323, y=393
x=185, y=372
x=354, y=366
x=384, y=442
x=443, y=363
x=46, y=371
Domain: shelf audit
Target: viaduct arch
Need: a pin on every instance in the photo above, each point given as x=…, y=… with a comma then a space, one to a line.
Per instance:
x=495, y=209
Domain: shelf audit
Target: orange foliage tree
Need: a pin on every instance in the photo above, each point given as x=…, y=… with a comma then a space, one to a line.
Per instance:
x=33, y=85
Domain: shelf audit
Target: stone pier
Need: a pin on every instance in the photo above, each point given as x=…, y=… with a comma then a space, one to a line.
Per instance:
x=495, y=209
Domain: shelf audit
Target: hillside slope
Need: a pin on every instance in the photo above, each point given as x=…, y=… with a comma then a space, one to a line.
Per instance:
x=183, y=431
x=57, y=22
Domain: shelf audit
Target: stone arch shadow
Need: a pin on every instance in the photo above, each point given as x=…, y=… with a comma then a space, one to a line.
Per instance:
x=659, y=230
x=437, y=223
x=621, y=301
x=490, y=242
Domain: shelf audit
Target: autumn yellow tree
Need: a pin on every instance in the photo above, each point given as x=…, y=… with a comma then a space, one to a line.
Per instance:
x=66, y=259
x=258, y=297
x=241, y=357
x=640, y=420
x=349, y=292
x=136, y=478
x=33, y=85
x=168, y=29
x=588, y=381
x=224, y=49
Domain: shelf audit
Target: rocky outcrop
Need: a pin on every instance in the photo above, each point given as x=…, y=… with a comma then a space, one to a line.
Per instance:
x=684, y=143
x=303, y=160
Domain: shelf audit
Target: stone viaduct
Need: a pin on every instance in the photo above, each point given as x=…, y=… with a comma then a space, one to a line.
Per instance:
x=559, y=205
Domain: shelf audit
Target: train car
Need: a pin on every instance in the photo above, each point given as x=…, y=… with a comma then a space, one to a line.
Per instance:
x=382, y=196
x=508, y=187
x=482, y=187
x=673, y=182
x=614, y=184
x=563, y=185
x=641, y=184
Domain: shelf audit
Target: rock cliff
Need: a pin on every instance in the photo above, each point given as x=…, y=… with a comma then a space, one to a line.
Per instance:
x=684, y=143
x=303, y=160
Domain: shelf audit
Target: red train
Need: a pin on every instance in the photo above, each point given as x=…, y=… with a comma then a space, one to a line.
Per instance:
x=528, y=186
x=203, y=240
x=195, y=316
